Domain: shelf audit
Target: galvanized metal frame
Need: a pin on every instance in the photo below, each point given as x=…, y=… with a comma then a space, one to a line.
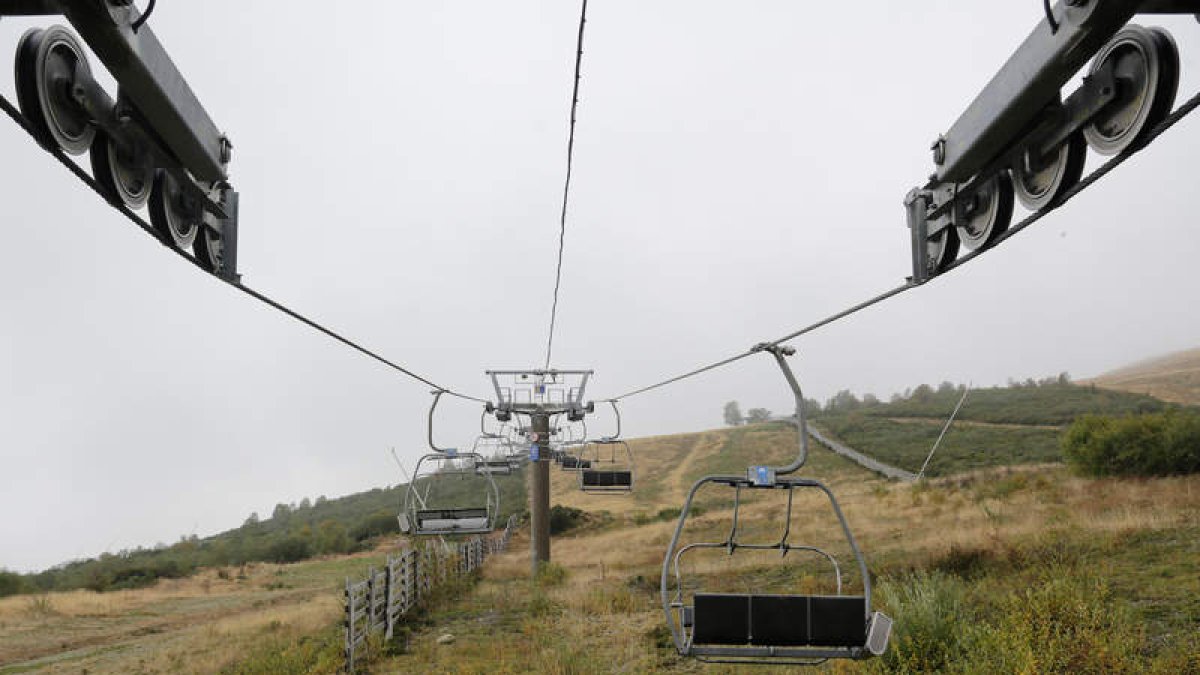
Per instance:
x=1019, y=109
x=767, y=478
x=572, y=404
x=147, y=75
x=155, y=111
x=413, y=501
x=674, y=604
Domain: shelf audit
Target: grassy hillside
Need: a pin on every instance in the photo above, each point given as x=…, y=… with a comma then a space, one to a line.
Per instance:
x=293, y=532
x=998, y=426
x=1003, y=570
x=1174, y=377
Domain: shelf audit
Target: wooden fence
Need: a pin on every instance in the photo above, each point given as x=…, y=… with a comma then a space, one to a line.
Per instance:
x=377, y=603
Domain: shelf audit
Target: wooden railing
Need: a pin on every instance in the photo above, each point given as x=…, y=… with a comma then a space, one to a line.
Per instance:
x=378, y=603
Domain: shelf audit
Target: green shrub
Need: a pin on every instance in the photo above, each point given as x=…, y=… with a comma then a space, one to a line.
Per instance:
x=929, y=609
x=563, y=518
x=11, y=583
x=551, y=574
x=1153, y=444
x=1065, y=624
x=289, y=550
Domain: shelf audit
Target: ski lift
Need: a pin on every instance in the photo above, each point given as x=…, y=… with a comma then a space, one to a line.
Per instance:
x=426, y=514
x=569, y=458
x=607, y=475
x=796, y=629
x=495, y=450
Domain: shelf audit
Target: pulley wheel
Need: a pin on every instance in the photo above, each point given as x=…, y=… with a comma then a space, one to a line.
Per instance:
x=209, y=247
x=174, y=214
x=985, y=215
x=1037, y=186
x=1145, y=63
x=941, y=249
x=120, y=175
x=45, y=72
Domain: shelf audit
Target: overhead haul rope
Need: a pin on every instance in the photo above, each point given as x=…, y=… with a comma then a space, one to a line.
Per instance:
x=562, y=223
x=1103, y=170
x=74, y=168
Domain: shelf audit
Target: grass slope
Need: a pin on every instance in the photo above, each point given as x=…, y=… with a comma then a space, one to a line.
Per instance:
x=1002, y=570
x=1174, y=377
x=997, y=426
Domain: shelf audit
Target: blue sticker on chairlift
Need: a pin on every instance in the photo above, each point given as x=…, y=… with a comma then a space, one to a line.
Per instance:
x=452, y=452
x=762, y=475
x=533, y=452
x=541, y=389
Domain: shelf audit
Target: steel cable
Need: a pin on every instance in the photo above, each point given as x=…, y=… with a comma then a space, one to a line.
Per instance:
x=562, y=223
x=1182, y=111
x=74, y=168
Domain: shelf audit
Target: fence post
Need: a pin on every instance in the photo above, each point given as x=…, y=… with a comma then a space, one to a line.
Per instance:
x=387, y=607
x=349, y=628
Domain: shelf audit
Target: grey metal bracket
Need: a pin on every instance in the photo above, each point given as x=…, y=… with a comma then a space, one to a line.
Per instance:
x=181, y=135
x=916, y=203
x=1030, y=79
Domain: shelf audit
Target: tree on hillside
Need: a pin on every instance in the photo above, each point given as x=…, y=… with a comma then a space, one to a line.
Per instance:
x=843, y=401
x=755, y=415
x=870, y=400
x=733, y=414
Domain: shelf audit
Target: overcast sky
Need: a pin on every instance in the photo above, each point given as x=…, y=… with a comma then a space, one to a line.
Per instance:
x=739, y=173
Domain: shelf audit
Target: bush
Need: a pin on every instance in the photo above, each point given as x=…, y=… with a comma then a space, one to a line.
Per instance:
x=563, y=518
x=1065, y=624
x=291, y=549
x=11, y=583
x=928, y=608
x=1153, y=444
x=378, y=523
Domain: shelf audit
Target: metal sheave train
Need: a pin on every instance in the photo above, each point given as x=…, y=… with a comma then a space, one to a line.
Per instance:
x=1024, y=137
x=154, y=146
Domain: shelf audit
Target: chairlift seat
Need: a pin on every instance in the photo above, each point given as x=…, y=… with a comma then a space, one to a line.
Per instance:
x=779, y=620
x=607, y=479
x=502, y=467
x=573, y=462
x=452, y=519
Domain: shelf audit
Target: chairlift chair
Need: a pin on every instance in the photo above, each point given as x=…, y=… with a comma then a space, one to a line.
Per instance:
x=428, y=515
x=495, y=455
x=764, y=628
x=419, y=517
x=569, y=456
x=607, y=475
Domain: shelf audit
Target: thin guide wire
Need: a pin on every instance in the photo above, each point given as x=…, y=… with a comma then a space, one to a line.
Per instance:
x=562, y=223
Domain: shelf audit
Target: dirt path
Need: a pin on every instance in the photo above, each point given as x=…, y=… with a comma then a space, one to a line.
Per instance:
x=676, y=483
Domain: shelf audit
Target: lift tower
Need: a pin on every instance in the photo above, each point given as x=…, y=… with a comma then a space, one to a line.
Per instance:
x=539, y=395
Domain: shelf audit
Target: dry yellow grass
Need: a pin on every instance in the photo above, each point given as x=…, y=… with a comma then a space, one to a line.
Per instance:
x=196, y=625
x=604, y=617
x=1174, y=377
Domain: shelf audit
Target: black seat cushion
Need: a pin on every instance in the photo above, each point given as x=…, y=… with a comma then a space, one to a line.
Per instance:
x=721, y=619
x=451, y=514
x=838, y=621
x=780, y=620
x=595, y=478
